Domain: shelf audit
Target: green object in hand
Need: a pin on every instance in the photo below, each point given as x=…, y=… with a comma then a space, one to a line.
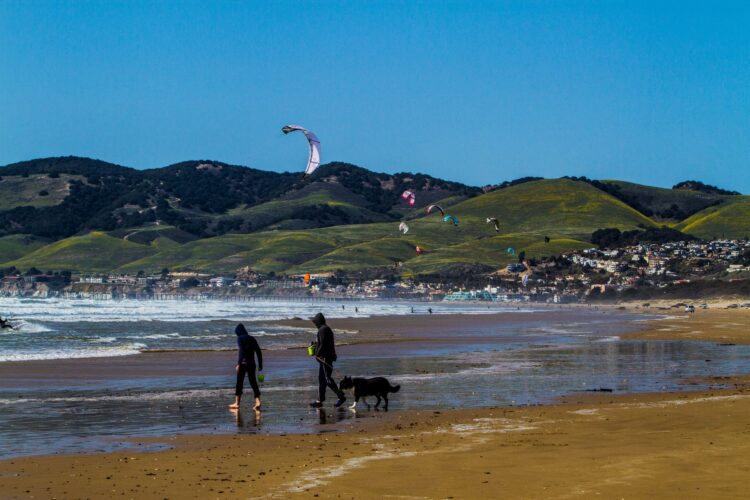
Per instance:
x=311, y=350
x=261, y=377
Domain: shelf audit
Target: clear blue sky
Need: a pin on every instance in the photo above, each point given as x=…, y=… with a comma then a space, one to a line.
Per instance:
x=480, y=92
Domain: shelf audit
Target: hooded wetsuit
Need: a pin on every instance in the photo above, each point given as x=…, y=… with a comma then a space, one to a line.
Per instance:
x=248, y=349
x=326, y=355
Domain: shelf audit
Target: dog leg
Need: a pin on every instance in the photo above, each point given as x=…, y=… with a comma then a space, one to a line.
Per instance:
x=385, y=397
x=354, y=405
x=378, y=403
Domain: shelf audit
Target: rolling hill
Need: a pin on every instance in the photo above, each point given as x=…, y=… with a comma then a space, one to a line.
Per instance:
x=92, y=252
x=729, y=220
x=62, y=197
x=214, y=217
x=17, y=245
x=666, y=204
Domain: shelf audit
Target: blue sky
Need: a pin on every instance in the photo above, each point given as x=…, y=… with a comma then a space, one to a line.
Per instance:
x=480, y=92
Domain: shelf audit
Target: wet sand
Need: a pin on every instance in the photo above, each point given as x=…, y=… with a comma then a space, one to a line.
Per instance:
x=724, y=326
x=642, y=445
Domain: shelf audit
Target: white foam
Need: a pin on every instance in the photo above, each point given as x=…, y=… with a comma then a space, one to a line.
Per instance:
x=104, y=340
x=96, y=352
x=493, y=368
x=82, y=310
x=613, y=338
x=27, y=327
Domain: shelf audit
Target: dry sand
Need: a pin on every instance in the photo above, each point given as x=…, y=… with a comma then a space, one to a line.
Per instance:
x=686, y=445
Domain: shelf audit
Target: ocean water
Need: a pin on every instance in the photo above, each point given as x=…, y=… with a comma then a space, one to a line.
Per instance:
x=91, y=403
x=62, y=329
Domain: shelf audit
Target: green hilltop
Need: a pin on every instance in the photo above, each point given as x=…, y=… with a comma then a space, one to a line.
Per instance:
x=346, y=219
x=729, y=220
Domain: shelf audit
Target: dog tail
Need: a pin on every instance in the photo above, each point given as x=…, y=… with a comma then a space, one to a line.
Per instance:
x=395, y=388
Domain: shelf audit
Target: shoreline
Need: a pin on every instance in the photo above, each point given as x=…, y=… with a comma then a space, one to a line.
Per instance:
x=352, y=336
x=642, y=445
x=721, y=326
x=586, y=443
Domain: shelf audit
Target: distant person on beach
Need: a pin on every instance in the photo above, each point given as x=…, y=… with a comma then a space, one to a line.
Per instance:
x=429, y=309
x=4, y=323
x=325, y=354
x=248, y=349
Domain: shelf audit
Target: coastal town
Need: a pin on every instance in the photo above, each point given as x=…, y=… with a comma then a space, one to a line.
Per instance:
x=584, y=275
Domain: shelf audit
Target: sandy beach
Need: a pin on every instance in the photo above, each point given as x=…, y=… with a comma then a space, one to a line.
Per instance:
x=724, y=326
x=656, y=445
x=686, y=444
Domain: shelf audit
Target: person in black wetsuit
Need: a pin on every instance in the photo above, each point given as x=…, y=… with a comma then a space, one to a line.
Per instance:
x=325, y=354
x=4, y=323
x=248, y=349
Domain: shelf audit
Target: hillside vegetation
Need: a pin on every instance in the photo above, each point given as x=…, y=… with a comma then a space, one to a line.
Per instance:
x=17, y=245
x=214, y=217
x=61, y=197
x=667, y=204
x=729, y=220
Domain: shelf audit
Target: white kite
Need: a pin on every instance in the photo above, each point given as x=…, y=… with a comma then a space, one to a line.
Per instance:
x=436, y=207
x=313, y=160
x=403, y=228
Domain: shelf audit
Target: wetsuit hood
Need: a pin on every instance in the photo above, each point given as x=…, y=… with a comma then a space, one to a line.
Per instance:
x=240, y=330
x=319, y=320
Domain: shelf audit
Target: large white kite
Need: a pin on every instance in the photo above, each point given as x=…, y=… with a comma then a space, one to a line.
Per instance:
x=313, y=160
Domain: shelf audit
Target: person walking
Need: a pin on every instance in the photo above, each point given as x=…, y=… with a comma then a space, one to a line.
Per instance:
x=325, y=354
x=248, y=350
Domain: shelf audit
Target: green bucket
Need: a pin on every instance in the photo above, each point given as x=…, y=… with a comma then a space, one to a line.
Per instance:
x=261, y=377
x=311, y=350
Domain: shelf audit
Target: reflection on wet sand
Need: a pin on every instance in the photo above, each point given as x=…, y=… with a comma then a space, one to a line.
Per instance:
x=464, y=362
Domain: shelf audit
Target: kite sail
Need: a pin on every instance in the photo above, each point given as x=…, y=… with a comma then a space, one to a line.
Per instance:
x=403, y=228
x=493, y=220
x=419, y=250
x=546, y=239
x=511, y=251
x=313, y=159
x=450, y=218
x=409, y=195
x=436, y=207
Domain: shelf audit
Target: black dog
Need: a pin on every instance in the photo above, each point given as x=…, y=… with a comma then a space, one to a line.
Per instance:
x=364, y=387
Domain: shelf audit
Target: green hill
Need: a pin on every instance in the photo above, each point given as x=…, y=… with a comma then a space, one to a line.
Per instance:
x=17, y=245
x=93, y=252
x=567, y=211
x=61, y=197
x=556, y=206
x=214, y=217
x=38, y=190
x=729, y=220
x=665, y=204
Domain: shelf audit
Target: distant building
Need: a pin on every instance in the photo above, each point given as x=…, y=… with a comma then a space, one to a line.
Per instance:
x=220, y=282
x=93, y=280
x=473, y=295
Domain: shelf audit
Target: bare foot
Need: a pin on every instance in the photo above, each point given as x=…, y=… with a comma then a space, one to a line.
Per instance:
x=257, y=404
